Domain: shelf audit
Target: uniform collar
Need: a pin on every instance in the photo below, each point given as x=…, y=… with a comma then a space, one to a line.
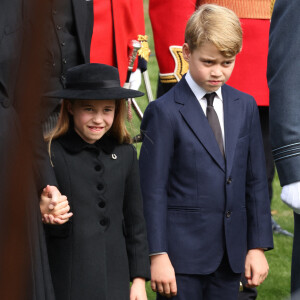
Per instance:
x=72, y=142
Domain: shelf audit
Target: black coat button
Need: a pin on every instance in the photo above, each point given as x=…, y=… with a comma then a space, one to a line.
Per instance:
x=63, y=43
x=100, y=186
x=103, y=222
x=228, y=214
x=229, y=180
x=98, y=168
x=101, y=204
x=58, y=27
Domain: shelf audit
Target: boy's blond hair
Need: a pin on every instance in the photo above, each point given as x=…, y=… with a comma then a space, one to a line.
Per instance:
x=215, y=24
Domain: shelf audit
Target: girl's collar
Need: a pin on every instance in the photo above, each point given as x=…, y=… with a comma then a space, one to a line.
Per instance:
x=72, y=142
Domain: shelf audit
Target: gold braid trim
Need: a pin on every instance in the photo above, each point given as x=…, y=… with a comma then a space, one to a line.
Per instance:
x=144, y=51
x=272, y=6
x=181, y=66
x=247, y=9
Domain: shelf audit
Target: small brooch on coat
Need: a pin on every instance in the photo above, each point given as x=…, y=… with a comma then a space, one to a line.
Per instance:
x=114, y=156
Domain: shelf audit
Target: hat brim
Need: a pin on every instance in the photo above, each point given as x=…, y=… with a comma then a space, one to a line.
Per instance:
x=97, y=94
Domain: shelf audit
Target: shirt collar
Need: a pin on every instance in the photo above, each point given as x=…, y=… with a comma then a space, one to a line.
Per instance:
x=198, y=91
x=72, y=142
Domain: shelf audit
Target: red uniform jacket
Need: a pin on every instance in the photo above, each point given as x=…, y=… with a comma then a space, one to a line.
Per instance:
x=116, y=24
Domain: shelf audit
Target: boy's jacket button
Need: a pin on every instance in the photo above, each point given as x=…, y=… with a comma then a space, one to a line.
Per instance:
x=229, y=180
x=228, y=214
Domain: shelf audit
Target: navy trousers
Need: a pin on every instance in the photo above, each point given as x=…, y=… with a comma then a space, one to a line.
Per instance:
x=222, y=284
x=295, y=280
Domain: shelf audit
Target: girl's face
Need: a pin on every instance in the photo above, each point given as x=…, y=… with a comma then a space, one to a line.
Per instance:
x=92, y=118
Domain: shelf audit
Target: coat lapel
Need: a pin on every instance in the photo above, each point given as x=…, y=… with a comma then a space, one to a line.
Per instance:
x=80, y=11
x=232, y=121
x=194, y=116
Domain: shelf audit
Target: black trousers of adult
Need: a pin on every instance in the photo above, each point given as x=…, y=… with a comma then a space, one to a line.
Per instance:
x=295, y=278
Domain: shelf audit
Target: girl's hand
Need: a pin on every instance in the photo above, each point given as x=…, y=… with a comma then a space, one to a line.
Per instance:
x=138, y=289
x=50, y=219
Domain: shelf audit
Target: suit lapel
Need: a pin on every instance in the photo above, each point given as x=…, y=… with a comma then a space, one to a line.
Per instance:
x=194, y=116
x=80, y=11
x=231, y=124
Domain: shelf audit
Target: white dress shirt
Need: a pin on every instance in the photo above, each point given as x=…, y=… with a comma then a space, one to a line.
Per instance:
x=199, y=93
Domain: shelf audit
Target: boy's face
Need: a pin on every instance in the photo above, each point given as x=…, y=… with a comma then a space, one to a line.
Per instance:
x=92, y=118
x=207, y=66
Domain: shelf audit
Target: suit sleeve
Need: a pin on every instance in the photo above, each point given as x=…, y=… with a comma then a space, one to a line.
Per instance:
x=259, y=228
x=135, y=227
x=283, y=79
x=155, y=160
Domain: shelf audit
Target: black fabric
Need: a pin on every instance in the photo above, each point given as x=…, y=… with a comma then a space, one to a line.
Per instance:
x=69, y=33
x=295, y=279
x=30, y=246
x=213, y=120
x=63, y=47
x=93, y=82
x=103, y=246
x=270, y=167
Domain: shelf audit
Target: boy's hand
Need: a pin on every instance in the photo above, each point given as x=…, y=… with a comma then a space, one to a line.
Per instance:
x=163, y=278
x=256, y=267
x=138, y=289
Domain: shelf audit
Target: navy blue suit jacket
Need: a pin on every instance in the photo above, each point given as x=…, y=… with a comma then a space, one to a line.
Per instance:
x=196, y=204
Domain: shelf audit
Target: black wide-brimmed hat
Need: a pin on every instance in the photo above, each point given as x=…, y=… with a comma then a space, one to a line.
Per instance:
x=93, y=82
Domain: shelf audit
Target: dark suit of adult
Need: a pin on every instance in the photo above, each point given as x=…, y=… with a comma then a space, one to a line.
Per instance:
x=69, y=28
x=283, y=79
x=104, y=245
x=197, y=205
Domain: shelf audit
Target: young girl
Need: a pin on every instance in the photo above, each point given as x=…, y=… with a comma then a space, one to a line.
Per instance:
x=103, y=246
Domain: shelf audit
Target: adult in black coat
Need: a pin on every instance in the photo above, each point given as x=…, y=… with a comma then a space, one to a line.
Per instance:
x=22, y=173
x=69, y=26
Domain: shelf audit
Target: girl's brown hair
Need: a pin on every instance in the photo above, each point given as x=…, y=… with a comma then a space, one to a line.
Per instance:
x=118, y=129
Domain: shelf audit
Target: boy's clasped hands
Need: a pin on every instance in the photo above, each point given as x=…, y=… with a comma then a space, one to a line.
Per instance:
x=54, y=206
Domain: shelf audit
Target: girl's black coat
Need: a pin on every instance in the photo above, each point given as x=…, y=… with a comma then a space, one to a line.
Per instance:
x=104, y=245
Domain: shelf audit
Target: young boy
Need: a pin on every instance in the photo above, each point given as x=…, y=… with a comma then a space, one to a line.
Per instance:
x=203, y=172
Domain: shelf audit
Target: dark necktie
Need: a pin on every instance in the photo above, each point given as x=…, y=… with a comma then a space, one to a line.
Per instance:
x=213, y=120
